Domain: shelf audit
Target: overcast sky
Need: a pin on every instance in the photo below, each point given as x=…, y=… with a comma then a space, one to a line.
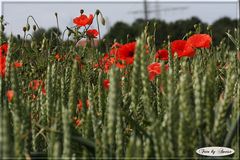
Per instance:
x=16, y=13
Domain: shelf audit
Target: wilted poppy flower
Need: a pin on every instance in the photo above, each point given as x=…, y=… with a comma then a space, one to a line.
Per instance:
x=162, y=54
x=182, y=48
x=153, y=70
x=83, y=20
x=10, y=94
x=92, y=33
x=106, y=83
x=18, y=64
x=3, y=49
x=2, y=66
x=200, y=40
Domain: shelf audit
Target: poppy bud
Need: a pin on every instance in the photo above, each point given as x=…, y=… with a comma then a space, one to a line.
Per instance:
x=97, y=12
x=81, y=11
x=28, y=27
x=24, y=29
x=56, y=14
x=102, y=19
x=34, y=27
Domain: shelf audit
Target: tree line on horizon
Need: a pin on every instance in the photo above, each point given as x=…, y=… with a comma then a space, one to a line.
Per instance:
x=123, y=32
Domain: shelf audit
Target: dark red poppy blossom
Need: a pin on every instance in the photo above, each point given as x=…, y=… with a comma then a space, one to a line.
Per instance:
x=83, y=20
x=162, y=54
x=106, y=84
x=200, y=41
x=3, y=49
x=126, y=52
x=2, y=66
x=182, y=48
x=92, y=33
x=154, y=69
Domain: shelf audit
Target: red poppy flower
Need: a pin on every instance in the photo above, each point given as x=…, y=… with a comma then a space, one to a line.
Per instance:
x=2, y=66
x=80, y=104
x=182, y=48
x=162, y=54
x=44, y=92
x=106, y=83
x=126, y=52
x=153, y=70
x=35, y=84
x=18, y=64
x=105, y=62
x=57, y=56
x=77, y=121
x=92, y=33
x=200, y=40
x=10, y=94
x=83, y=20
x=3, y=49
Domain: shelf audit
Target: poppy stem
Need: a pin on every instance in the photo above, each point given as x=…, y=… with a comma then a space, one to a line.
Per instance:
x=56, y=15
x=99, y=37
